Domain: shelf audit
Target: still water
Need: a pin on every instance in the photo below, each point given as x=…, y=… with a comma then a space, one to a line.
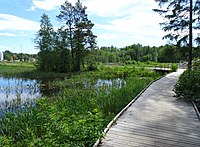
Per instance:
x=105, y=84
x=16, y=93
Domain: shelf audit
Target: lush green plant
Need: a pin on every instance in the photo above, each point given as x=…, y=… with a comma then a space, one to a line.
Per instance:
x=196, y=64
x=188, y=85
x=92, y=67
x=117, y=99
x=78, y=114
x=66, y=120
x=174, y=67
x=24, y=71
x=128, y=62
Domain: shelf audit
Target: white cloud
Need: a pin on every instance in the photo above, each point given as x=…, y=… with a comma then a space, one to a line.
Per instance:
x=7, y=34
x=108, y=8
x=133, y=20
x=136, y=24
x=32, y=8
x=49, y=4
x=109, y=36
x=113, y=8
x=11, y=22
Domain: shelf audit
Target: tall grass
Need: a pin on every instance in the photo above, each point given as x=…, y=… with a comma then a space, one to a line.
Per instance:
x=29, y=72
x=77, y=115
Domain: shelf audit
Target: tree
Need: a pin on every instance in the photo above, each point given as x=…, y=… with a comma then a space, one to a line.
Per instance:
x=67, y=16
x=78, y=27
x=7, y=55
x=61, y=52
x=181, y=18
x=44, y=41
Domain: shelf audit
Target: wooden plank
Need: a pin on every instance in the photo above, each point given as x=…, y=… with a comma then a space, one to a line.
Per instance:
x=146, y=141
x=161, y=127
x=156, y=119
x=189, y=125
x=160, y=134
x=120, y=140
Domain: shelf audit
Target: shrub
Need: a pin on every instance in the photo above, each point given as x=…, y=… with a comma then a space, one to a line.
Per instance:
x=92, y=67
x=129, y=62
x=188, y=86
x=174, y=67
x=196, y=64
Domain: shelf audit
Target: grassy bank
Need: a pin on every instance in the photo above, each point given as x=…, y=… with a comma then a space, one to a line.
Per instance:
x=27, y=70
x=77, y=115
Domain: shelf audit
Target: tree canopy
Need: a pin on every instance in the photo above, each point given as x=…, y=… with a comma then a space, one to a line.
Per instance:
x=181, y=18
x=65, y=49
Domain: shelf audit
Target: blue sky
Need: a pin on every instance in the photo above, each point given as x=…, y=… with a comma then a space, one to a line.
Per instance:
x=118, y=23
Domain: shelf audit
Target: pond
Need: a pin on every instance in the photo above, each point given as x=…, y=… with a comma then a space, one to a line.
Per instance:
x=105, y=84
x=16, y=93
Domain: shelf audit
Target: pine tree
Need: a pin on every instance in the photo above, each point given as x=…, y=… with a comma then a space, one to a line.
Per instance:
x=84, y=38
x=44, y=41
x=181, y=18
x=62, y=53
x=78, y=28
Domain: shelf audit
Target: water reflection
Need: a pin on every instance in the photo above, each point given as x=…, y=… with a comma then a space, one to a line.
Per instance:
x=105, y=84
x=15, y=93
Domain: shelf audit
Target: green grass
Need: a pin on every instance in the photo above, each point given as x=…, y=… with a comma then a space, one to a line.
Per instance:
x=151, y=64
x=17, y=64
x=27, y=70
x=77, y=115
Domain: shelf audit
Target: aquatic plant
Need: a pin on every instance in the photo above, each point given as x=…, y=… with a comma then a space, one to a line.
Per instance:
x=78, y=114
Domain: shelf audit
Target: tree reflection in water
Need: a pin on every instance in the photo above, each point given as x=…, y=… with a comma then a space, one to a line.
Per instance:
x=16, y=94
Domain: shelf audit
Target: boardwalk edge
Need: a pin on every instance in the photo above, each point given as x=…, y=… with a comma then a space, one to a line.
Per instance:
x=196, y=109
x=123, y=110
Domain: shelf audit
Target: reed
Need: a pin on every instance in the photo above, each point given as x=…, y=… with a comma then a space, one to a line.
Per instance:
x=78, y=114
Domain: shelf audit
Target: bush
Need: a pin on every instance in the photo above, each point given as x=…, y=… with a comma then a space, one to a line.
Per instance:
x=188, y=86
x=196, y=64
x=174, y=67
x=92, y=67
x=129, y=62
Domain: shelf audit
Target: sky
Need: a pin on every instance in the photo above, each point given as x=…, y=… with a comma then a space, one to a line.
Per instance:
x=117, y=22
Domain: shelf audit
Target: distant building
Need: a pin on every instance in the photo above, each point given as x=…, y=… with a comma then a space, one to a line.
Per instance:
x=1, y=56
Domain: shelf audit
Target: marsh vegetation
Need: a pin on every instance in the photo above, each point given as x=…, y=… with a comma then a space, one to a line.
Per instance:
x=77, y=112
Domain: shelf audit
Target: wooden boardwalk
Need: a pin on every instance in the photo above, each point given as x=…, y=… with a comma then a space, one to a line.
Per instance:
x=156, y=118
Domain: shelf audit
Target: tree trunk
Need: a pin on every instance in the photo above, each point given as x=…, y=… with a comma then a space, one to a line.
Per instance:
x=71, y=45
x=190, y=37
x=78, y=52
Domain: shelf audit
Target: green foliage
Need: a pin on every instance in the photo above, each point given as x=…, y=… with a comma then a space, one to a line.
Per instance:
x=175, y=21
x=188, y=85
x=6, y=141
x=44, y=41
x=174, y=67
x=137, y=53
x=129, y=62
x=28, y=70
x=65, y=50
x=196, y=64
x=77, y=115
x=9, y=56
x=110, y=72
x=62, y=122
x=117, y=99
x=92, y=67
